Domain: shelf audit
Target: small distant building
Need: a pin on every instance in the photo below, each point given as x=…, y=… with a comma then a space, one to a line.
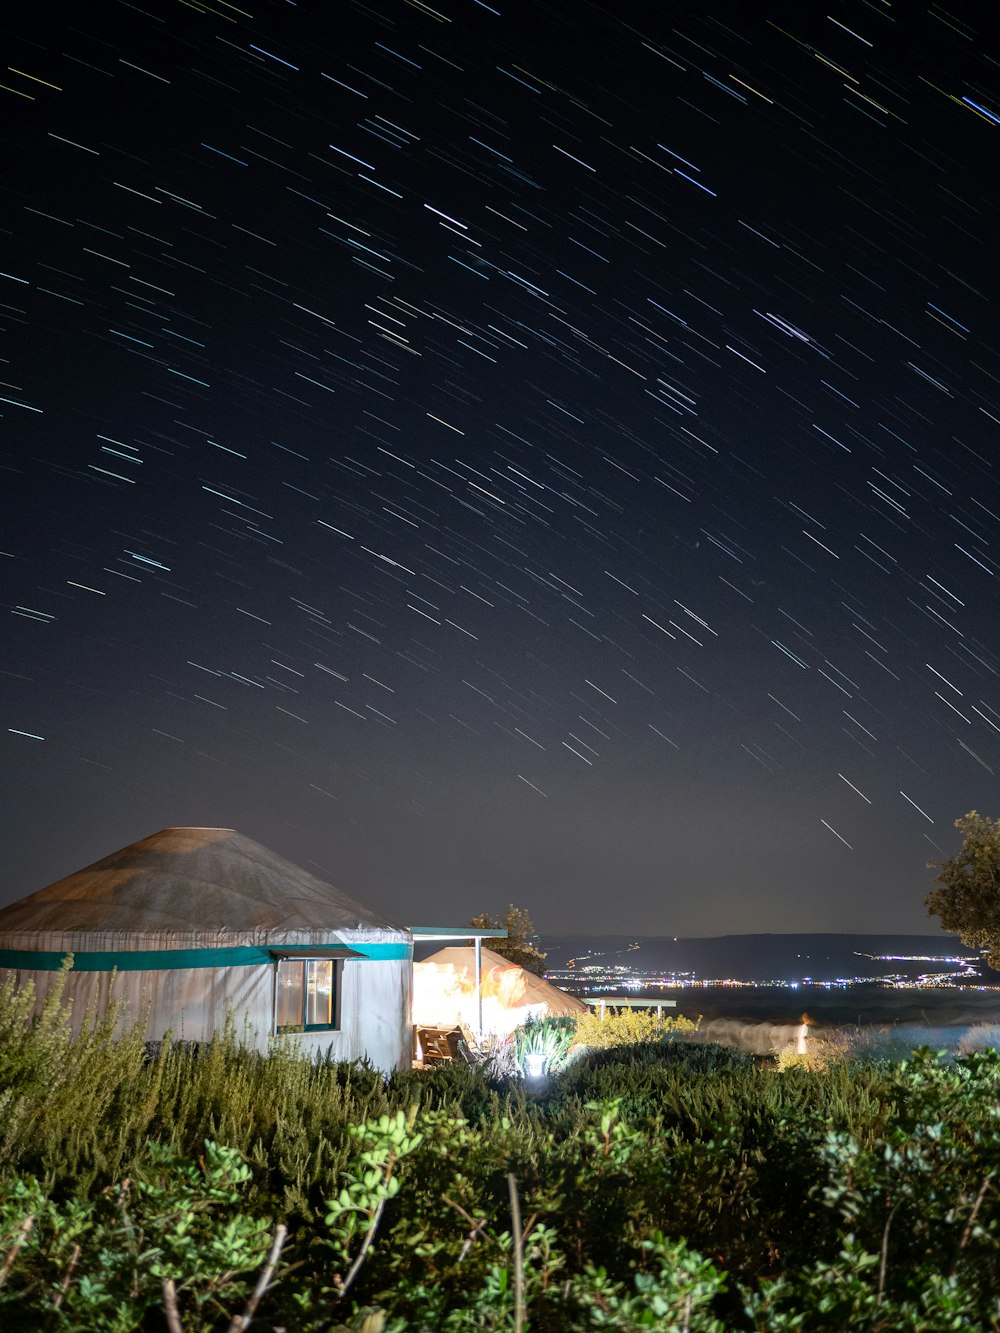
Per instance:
x=194, y=923
x=444, y=992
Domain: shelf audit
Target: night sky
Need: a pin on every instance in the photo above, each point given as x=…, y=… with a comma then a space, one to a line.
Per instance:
x=535, y=452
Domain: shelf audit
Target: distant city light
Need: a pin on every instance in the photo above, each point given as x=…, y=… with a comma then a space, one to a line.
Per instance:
x=598, y=978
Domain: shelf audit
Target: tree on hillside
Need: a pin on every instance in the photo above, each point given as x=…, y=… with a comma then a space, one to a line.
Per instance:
x=517, y=947
x=968, y=901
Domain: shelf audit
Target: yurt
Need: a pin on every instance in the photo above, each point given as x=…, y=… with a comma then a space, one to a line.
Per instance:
x=192, y=924
x=444, y=992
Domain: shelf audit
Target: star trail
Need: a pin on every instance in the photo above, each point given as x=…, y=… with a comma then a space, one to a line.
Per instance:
x=536, y=452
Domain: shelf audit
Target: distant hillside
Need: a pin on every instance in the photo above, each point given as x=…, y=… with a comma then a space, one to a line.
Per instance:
x=762, y=958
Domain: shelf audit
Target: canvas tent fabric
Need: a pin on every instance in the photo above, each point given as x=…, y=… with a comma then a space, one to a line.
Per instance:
x=444, y=992
x=190, y=922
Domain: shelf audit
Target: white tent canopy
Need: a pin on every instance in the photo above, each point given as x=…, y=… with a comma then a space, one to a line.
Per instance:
x=444, y=992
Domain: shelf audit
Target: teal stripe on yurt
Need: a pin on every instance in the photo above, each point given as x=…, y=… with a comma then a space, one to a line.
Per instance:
x=168, y=960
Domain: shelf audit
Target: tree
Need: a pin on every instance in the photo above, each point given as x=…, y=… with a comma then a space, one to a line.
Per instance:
x=969, y=900
x=517, y=947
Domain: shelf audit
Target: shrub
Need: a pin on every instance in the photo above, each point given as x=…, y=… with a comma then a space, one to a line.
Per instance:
x=172, y=1238
x=663, y=1184
x=628, y=1027
x=823, y=1050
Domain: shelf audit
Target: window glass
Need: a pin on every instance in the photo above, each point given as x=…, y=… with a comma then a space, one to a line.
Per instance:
x=290, y=998
x=319, y=993
x=304, y=995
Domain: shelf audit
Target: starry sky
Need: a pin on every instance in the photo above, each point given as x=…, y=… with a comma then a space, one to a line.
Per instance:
x=538, y=452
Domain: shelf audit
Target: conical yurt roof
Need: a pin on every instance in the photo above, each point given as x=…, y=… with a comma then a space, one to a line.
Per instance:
x=185, y=886
x=536, y=989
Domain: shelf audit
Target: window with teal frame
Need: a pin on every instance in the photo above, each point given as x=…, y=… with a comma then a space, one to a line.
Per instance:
x=306, y=995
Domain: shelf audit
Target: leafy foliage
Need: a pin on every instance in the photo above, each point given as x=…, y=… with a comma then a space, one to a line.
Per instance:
x=667, y=1185
x=968, y=901
x=518, y=947
x=173, y=1235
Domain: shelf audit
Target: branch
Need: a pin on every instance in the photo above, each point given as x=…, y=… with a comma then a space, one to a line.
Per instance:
x=685, y=1327
x=352, y=1272
x=515, y=1217
x=20, y=1236
x=170, y=1306
x=885, y=1254
x=240, y=1322
x=64, y=1285
x=967, y=1233
x=477, y=1226
x=459, y=1209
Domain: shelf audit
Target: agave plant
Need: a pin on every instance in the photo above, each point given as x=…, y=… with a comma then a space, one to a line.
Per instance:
x=542, y=1045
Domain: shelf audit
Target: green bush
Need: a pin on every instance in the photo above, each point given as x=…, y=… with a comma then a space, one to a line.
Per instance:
x=662, y=1185
x=628, y=1027
x=170, y=1238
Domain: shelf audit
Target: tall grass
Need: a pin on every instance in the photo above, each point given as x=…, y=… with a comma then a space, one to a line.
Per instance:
x=77, y=1112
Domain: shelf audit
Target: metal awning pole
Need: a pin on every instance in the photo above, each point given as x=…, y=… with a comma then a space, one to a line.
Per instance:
x=479, y=986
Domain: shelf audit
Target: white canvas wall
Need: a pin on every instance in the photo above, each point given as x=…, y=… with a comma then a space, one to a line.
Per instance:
x=191, y=1003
